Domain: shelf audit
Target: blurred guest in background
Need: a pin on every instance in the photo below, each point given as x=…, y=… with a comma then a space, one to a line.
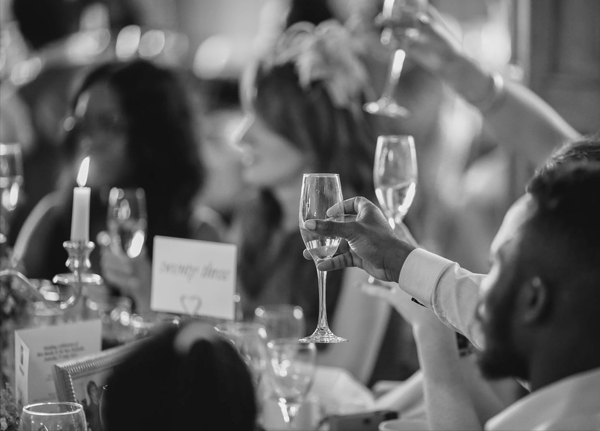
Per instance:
x=184, y=378
x=135, y=123
x=57, y=54
x=303, y=114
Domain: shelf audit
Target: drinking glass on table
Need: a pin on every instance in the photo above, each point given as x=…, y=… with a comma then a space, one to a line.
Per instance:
x=319, y=193
x=127, y=220
x=250, y=340
x=291, y=370
x=11, y=180
x=405, y=14
x=53, y=417
x=281, y=320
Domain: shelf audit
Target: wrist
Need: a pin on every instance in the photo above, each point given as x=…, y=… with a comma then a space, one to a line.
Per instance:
x=394, y=259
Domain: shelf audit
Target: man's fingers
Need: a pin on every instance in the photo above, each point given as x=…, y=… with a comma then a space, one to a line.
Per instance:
x=306, y=255
x=329, y=228
x=337, y=262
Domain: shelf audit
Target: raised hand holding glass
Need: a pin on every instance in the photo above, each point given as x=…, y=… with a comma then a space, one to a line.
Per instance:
x=405, y=14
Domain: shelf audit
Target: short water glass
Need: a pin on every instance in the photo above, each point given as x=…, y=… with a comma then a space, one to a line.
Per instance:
x=53, y=417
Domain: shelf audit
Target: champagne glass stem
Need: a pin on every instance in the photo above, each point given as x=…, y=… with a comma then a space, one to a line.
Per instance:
x=289, y=411
x=322, y=322
x=394, y=74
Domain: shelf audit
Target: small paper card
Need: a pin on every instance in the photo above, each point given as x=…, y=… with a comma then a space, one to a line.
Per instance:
x=38, y=349
x=193, y=277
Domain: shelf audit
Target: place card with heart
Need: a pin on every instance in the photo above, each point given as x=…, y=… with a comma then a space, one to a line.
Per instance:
x=193, y=277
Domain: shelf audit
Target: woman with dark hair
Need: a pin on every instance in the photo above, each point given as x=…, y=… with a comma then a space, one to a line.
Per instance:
x=135, y=123
x=301, y=120
x=184, y=378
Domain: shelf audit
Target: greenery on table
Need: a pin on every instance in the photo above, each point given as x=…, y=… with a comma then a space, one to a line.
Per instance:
x=10, y=410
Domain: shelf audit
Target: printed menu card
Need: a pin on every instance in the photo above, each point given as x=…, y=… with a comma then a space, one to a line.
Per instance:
x=38, y=349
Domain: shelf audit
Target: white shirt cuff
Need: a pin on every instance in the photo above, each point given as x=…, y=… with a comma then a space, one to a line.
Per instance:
x=420, y=274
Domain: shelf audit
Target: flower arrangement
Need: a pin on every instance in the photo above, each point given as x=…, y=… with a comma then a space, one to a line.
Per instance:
x=10, y=410
x=325, y=53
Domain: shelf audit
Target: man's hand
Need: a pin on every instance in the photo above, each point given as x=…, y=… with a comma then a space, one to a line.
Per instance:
x=369, y=243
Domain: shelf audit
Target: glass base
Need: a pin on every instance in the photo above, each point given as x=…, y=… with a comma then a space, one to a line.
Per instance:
x=386, y=107
x=323, y=336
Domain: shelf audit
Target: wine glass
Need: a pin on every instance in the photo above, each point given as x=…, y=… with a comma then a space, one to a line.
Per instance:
x=405, y=14
x=250, y=339
x=395, y=176
x=319, y=193
x=281, y=320
x=127, y=220
x=11, y=180
x=53, y=417
x=291, y=369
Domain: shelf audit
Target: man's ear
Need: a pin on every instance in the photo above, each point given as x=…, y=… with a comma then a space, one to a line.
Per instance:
x=534, y=301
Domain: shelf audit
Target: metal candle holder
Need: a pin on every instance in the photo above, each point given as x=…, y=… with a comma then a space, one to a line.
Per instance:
x=65, y=289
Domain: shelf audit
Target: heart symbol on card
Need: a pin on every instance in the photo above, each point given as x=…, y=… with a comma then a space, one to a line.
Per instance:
x=191, y=304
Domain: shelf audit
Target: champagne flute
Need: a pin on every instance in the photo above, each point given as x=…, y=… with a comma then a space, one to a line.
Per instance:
x=127, y=220
x=281, y=320
x=395, y=176
x=291, y=368
x=11, y=180
x=53, y=417
x=319, y=193
x=406, y=14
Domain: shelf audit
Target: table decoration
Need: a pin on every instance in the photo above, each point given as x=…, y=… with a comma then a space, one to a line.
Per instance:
x=72, y=376
x=10, y=410
x=38, y=349
x=80, y=219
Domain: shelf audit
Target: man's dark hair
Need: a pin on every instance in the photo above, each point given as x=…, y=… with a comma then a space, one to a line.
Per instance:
x=562, y=239
x=585, y=149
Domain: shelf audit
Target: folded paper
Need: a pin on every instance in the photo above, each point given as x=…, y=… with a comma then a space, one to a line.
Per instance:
x=193, y=277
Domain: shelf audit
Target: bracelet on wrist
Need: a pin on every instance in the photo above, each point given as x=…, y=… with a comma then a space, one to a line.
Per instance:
x=494, y=96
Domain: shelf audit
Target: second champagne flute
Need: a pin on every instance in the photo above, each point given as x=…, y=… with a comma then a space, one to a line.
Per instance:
x=127, y=220
x=319, y=193
x=395, y=175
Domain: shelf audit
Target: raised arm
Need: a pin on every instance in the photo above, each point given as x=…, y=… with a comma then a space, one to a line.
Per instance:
x=447, y=400
x=520, y=120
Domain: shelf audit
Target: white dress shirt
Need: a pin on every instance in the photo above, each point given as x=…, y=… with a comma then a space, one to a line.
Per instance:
x=572, y=403
x=450, y=291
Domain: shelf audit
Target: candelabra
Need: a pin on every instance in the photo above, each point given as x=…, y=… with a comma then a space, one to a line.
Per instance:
x=64, y=291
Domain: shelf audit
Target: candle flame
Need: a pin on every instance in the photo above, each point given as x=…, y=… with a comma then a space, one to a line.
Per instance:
x=83, y=172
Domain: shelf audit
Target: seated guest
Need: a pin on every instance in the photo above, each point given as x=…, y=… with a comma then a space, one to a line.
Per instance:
x=538, y=305
x=135, y=123
x=303, y=105
x=184, y=378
